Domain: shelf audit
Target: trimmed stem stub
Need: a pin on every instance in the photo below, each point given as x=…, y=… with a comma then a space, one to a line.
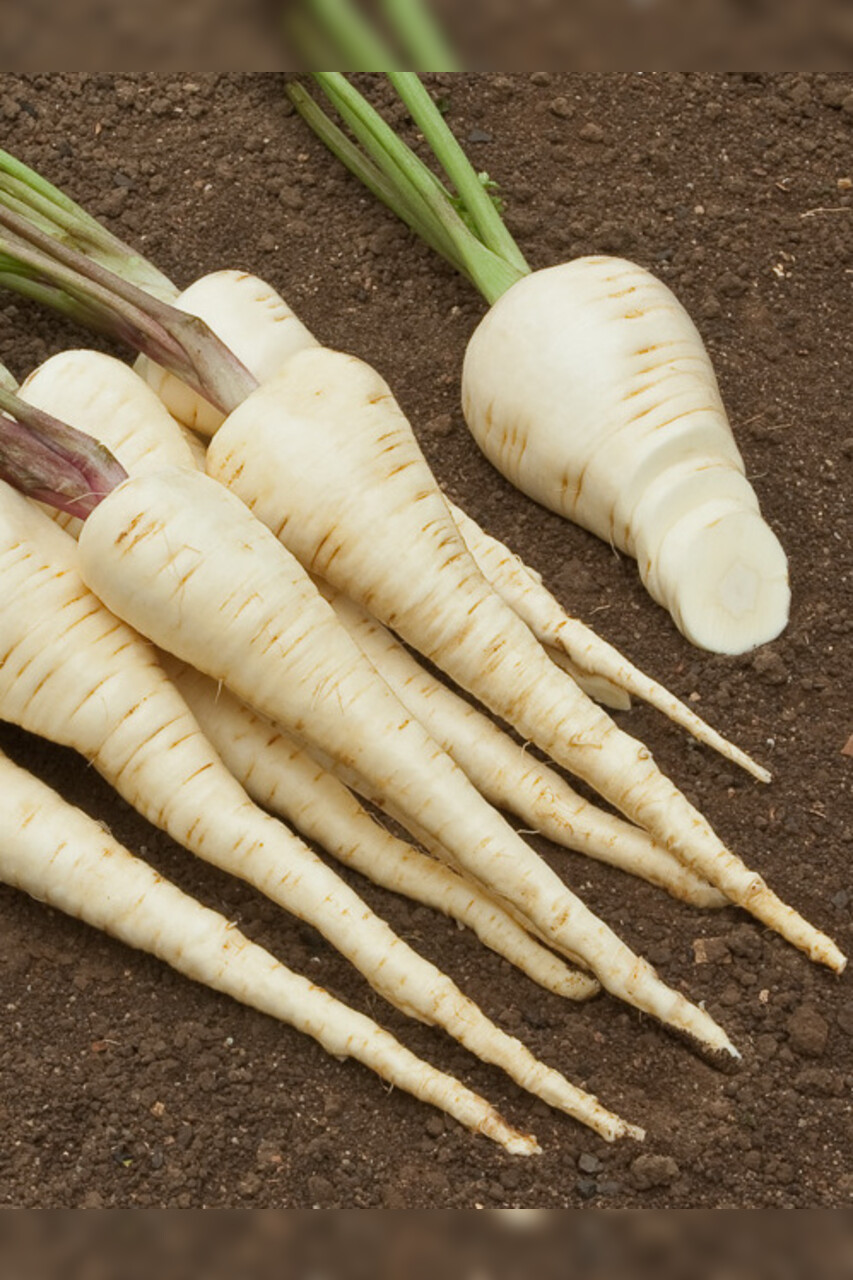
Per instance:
x=52, y=462
x=100, y=298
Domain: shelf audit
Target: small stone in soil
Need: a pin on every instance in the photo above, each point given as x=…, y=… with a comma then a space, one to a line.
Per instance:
x=440, y=425
x=592, y=133
x=710, y=951
x=770, y=667
x=807, y=1031
x=766, y=1046
x=562, y=108
x=844, y=1018
x=654, y=1171
x=320, y=1189
x=588, y=1163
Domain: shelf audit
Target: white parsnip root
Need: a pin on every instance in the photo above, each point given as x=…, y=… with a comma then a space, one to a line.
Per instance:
x=284, y=778
x=511, y=778
x=60, y=856
x=588, y=386
x=524, y=592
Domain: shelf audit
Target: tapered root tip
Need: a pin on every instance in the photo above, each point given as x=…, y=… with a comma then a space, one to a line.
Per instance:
x=703, y=1033
x=619, y=1129
x=832, y=957
x=760, y=901
x=522, y=1144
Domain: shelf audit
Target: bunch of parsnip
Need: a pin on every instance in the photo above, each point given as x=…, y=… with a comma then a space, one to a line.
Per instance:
x=317, y=521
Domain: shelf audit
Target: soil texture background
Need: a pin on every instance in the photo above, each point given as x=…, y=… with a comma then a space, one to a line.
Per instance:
x=123, y=1084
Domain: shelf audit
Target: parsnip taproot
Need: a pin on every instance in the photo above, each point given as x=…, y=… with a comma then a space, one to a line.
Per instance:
x=285, y=778
x=73, y=673
x=588, y=386
x=60, y=856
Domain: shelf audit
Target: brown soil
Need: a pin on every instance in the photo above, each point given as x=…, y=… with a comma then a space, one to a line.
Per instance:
x=122, y=1083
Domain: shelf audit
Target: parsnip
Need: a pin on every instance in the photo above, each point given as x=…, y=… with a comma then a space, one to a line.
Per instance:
x=588, y=386
x=60, y=856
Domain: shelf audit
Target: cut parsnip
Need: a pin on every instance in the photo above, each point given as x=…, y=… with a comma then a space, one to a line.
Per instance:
x=588, y=386
x=723, y=576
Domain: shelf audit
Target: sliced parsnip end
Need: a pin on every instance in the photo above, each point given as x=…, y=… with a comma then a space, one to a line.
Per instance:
x=725, y=580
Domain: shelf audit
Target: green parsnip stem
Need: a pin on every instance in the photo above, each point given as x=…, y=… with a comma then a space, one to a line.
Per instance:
x=60, y=856
x=27, y=193
x=123, y=310
x=492, y=273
